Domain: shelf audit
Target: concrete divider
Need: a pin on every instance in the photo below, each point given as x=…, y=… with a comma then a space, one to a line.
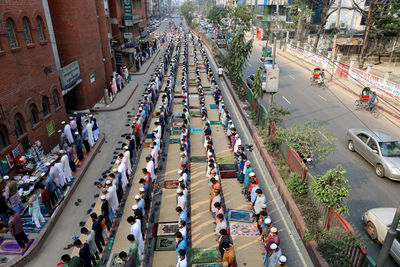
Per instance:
x=37, y=244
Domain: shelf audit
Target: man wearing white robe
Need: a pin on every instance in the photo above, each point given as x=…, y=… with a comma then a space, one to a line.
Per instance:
x=68, y=133
x=90, y=133
x=65, y=166
x=127, y=155
x=111, y=196
x=154, y=155
x=61, y=177
x=137, y=232
x=122, y=170
x=150, y=168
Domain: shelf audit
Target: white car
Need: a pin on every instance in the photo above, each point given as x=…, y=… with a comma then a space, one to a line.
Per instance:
x=378, y=222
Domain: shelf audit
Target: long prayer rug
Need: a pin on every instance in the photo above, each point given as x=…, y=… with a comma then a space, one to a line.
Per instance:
x=208, y=265
x=240, y=215
x=165, y=243
x=213, y=106
x=26, y=213
x=244, y=229
x=8, y=246
x=167, y=228
x=204, y=255
x=29, y=226
x=171, y=184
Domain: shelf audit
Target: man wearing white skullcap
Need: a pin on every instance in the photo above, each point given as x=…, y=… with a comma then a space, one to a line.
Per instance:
x=122, y=170
x=111, y=196
x=271, y=258
x=282, y=261
x=181, y=199
x=65, y=166
x=68, y=132
x=105, y=211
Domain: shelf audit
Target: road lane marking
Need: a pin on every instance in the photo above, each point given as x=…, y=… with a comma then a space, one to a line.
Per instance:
x=323, y=98
x=292, y=77
x=286, y=100
x=248, y=137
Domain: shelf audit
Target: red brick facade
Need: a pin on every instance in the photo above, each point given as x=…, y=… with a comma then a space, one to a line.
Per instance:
x=29, y=84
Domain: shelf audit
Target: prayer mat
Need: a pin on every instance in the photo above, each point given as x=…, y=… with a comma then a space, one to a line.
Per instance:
x=224, y=160
x=146, y=144
x=171, y=184
x=244, y=229
x=176, y=128
x=240, y=215
x=174, y=141
x=29, y=226
x=177, y=113
x=208, y=265
x=227, y=171
x=167, y=229
x=195, y=107
x=204, y=255
x=165, y=243
x=175, y=132
x=196, y=130
x=26, y=212
x=213, y=106
x=178, y=96
x=116, y=261
x=198, y=159
x=8, y=246
x=215, y=122
x=148, y=136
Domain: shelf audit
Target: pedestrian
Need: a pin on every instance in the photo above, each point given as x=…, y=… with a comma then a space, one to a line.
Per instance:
x=182, y=260
x=105, y=211
x=66, y=260
x=97, y=227
x=66, y=166
x=136, y=231
x=129, y=260
x=133, y=248
x=71, y=158
x=34, y=210
x=90, y=239
x=84, y=253
x=11, y=194
x=16, y=229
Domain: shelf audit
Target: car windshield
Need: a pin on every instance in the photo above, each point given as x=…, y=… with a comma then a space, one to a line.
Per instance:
x=390, y=149
x=268, y=61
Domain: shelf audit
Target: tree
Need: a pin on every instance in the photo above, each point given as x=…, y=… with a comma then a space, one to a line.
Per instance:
x=310, y=139
x=324, y=6
x=331, y=189
x=275, y=114
x=371, y=14
x=238, y=53
x=241, y=17
x=216, y=14
x=187, y=11
x=257, y=86
x=299, y=13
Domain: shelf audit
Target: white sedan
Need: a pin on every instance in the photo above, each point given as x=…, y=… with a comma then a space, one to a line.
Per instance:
x=378, y=222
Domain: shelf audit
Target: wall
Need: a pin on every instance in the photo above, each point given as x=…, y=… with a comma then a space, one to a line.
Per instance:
x=28, y=73
x=78, y=38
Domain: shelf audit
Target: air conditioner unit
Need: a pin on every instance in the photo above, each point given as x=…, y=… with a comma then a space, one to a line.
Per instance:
x=343, y=25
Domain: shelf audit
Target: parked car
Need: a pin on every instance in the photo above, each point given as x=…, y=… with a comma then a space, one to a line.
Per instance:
x=268, y=62
x=221, y=43
x=378, y=148
x=250, y=81
x=378, y=222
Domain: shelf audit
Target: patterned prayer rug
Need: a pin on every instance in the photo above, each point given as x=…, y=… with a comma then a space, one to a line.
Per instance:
x=167, y=228
x=213, y=106
x=240, y=216
x=148, y=136
x=146, y=144
x=165, y=243
x=26, y=213
x=171, y=184
x=8, y=246
x=208, y=265
x=196, y=130
x=29, y=226
x=215, y=122
x=244, y=229
x=174, y=141
x=204, y=255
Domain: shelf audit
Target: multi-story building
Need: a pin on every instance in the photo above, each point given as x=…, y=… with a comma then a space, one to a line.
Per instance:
x=31, y=103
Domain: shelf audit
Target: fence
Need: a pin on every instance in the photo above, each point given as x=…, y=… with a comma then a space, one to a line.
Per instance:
x=296, y=164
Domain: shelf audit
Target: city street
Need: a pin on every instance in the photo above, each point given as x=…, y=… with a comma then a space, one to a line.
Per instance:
x=334, y=107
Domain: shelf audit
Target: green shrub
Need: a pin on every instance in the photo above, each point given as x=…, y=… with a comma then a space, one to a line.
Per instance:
x=297, y=184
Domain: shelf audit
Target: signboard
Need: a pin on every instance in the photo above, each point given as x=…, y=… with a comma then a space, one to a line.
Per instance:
x=128, y=15
x=128, y=35
x=51, y=129
x=272, y=80
x=70, y=75
x=118, y=57
x=92, y=78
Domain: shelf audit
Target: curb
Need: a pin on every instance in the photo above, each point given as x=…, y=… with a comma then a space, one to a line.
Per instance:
x=37, y=244
x=391, y=113
x=105, y=109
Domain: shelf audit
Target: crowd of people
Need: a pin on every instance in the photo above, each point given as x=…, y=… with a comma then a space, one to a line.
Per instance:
x=121, y=178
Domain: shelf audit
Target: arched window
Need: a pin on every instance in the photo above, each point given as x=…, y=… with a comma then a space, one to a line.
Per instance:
x=46, y=105
x=34, y=114
x=39, y=25
x=27, y=31
x=12, y=38
x=56, y=99
x=19, y=125
x=3, y=137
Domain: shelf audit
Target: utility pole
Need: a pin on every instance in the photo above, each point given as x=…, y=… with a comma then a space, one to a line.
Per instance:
x=339, y=6
x=387, y=244
x=271, y=95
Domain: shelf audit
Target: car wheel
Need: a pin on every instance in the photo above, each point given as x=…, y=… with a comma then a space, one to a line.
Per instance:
x=379, y=170
x=350, y=146
x=371, y=230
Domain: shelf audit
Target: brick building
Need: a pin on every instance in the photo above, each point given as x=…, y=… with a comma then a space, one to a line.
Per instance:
x=31, y=104
x=82, y=34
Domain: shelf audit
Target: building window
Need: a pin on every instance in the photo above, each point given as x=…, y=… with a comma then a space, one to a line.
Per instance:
x=137, y=4
x=56, y=99
x=3, y=137
x=46, y=105
x=363, y=20
x=34, y=114
x=39, y=25
x=19, y=125
x=27, y=31
x=12, y=38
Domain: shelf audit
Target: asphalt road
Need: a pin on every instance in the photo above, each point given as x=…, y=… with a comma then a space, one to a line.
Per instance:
x=334, y=107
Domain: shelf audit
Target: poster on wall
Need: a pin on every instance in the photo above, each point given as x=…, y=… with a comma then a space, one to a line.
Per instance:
x=4, y=166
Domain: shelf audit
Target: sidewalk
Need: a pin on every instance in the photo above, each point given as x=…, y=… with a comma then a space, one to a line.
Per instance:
x=123, y=97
